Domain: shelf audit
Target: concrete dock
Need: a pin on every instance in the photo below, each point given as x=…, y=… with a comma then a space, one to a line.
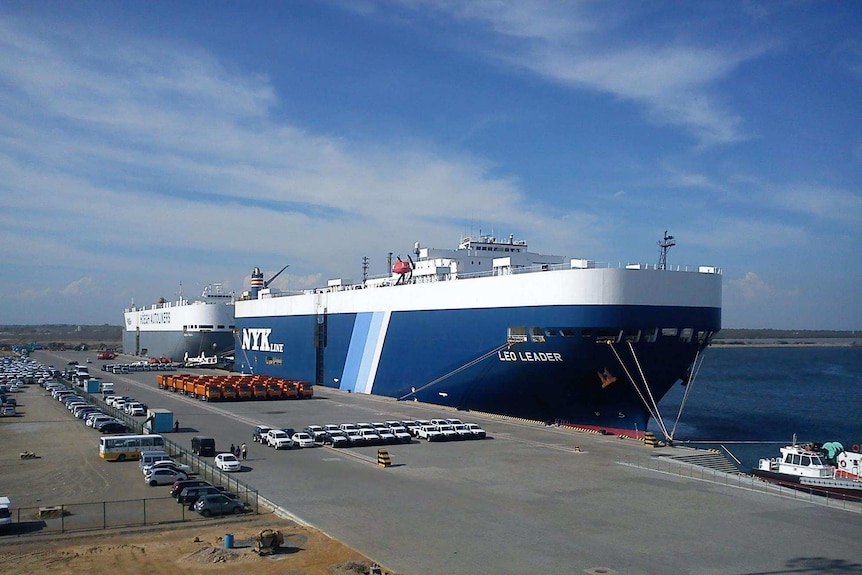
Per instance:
x=529, y=499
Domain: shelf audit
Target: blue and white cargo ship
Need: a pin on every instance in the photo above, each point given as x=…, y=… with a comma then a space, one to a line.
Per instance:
x=492, y=327
x=181, y=328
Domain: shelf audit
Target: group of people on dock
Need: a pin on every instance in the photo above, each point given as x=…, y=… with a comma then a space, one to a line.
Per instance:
x=241, y=451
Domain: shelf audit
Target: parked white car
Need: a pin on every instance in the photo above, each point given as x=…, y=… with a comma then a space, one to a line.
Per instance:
x=316, y=432
x=302, y=439
x=227, y=462
x=168, y=464
x=164, y=476
x=278, y=439
x=97, y=419
x=135, y=408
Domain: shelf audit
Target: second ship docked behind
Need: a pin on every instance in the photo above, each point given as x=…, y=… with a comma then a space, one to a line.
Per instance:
x=491, y=326
x=181, y=328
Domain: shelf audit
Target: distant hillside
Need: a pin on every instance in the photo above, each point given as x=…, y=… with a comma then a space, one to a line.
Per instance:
x=725, y=334
x=62, y=336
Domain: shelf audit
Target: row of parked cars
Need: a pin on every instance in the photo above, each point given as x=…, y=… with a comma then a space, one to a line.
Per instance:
x=137, y=366
x=196, y=494
x=207, y=499
x=8, y=402
x=447, y=429
x=157, y=467
x=15, y=374
x=81, y=408
x=361, y=434
x=24, y=370
x=126, y=404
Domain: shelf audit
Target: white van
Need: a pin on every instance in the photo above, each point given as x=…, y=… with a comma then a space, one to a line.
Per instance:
x=150, y=457
x=106, y=387
x=5, y=511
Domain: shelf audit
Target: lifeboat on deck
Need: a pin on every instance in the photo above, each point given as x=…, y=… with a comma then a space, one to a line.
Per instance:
x=401, y=267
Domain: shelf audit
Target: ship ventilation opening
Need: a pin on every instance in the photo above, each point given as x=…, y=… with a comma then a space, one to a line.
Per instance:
x=644, y=391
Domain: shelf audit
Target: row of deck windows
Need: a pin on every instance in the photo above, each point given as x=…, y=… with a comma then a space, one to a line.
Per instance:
x=605, y=335
x=807, y=460
x=496, y=249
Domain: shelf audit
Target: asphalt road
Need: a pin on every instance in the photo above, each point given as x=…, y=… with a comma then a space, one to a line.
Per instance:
x=529, y=499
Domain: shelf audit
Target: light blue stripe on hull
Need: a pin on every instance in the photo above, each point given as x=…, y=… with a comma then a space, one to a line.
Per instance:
x=360, y=355
x=363, y=355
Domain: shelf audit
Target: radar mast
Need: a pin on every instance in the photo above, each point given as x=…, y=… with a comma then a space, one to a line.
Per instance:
x=665, y=244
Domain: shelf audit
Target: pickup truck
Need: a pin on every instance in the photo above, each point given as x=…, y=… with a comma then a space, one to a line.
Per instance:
x=278, y=439
x=385, y=434
x=429, y=433
x=476, y=431
x=354, y=437
x=369, y=436
x=448, y=431
x=462, y=431
x=401, y=434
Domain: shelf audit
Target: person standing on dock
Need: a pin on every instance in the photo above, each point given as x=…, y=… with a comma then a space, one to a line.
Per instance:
x=244, y=451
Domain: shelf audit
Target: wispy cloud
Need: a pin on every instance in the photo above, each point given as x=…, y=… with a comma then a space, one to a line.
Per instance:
x=823, y=202
x=672, y=79
x=78, y=287
x=163, y=137
x=752, y=290
x=745, y=232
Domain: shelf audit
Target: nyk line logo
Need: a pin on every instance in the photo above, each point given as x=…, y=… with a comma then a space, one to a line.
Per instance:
x=256, y=339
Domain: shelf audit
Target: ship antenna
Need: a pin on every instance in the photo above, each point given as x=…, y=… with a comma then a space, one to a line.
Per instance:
x=365, y=261
x=665, y=244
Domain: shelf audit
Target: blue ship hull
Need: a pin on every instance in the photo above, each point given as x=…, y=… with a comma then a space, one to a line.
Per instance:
x=563, y=370
x=176, y=344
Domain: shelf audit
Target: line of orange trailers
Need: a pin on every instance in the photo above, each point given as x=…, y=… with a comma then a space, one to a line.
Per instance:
x=235, y=387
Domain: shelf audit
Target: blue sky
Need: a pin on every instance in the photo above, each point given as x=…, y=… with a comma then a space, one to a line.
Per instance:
x=146, y=146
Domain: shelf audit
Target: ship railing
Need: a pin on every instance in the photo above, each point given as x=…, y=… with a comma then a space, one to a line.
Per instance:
x=590, y=265
x=379, y=280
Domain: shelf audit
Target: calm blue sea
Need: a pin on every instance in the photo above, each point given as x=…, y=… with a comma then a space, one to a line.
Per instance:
x=750, y=399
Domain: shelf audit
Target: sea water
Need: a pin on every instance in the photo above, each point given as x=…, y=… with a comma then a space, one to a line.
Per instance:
x=750, y=400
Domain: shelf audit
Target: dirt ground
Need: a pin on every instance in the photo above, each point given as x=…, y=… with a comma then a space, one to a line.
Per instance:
x=68, y=470
x=198, y=548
